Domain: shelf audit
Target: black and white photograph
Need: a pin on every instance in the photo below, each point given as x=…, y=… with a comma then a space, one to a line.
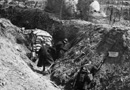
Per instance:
x=64, y=44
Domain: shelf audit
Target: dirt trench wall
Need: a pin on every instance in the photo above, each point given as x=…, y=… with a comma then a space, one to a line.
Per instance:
x=15, y=74
x=93, y=43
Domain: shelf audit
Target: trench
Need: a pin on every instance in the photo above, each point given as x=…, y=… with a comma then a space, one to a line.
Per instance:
x=87, y=42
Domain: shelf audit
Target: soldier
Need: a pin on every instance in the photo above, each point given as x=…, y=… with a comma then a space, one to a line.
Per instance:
x=41, y=43
x=85, y=77
x=60, y=48
x=42, y=47
x=44, y=57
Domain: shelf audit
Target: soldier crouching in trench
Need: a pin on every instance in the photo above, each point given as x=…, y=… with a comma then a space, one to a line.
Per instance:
x=61, y=48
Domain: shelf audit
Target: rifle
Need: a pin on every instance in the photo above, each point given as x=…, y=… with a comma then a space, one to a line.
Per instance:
x=95, y=69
